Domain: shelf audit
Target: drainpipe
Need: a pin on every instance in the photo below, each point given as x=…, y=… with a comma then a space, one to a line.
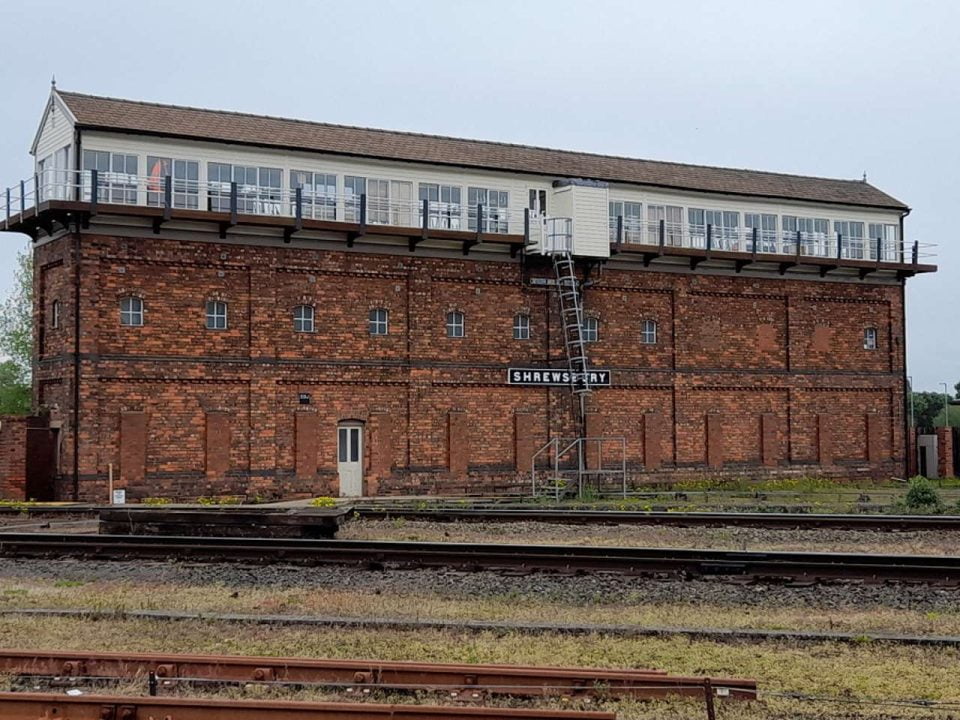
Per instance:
x=906, y=385
x=76, y=331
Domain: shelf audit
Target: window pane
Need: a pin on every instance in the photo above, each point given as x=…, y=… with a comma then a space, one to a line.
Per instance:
x=354, y=444
x=342, y=443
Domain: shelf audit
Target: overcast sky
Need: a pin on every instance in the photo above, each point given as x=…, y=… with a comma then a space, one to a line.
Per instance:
x=821, y=88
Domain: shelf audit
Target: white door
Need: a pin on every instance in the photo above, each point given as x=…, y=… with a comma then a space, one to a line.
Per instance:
x=350, y=459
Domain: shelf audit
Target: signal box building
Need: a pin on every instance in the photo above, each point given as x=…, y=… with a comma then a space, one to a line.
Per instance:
x=235, y=304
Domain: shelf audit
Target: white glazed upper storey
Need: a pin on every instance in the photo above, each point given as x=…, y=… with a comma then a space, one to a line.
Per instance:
x=54, y=146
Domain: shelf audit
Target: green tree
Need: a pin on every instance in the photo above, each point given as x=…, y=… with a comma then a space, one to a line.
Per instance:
x=926, y=407
x=16, y=339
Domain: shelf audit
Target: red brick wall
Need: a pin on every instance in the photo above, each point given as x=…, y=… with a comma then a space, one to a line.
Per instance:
x=945, y=468
x=765, y=357
x=13, y=457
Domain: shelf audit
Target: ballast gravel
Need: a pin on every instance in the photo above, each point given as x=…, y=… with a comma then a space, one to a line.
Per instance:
x=593, y=589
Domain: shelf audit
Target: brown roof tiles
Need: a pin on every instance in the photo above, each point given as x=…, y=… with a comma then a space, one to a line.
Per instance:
x=169, y=120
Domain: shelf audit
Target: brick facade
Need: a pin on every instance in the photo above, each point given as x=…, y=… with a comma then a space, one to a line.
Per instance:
x=13, y=458
x=749, y=376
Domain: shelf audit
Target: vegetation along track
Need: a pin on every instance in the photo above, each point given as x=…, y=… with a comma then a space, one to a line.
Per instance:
x=360, y=677
x=679, y=519
x=943, y=570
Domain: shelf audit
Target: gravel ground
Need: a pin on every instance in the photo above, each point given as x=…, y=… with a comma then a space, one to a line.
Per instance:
x=920, y=542
x=592, y=590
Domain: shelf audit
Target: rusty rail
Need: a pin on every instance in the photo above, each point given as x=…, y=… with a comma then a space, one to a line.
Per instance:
x=466, y=681
x=31, y=706
x=940, y=569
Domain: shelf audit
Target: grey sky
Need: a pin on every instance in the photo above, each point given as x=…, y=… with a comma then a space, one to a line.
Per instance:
x=820, y=88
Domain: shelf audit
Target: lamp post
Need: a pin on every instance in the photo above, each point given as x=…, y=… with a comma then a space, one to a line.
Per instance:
x=946, y=409
x=910, y=388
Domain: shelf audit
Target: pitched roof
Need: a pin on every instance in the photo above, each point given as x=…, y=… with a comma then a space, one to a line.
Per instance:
x=113, y=114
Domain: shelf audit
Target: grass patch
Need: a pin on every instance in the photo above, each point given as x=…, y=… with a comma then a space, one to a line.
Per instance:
x=844, y=671
x=105, y=596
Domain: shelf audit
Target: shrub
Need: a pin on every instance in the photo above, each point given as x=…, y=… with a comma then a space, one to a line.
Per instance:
x=922, y=495
x=323, y=502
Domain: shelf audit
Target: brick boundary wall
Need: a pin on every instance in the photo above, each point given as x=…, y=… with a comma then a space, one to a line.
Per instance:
x=945, y=466
x=13, y=457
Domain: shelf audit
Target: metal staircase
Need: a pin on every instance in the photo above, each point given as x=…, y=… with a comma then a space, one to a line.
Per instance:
x=576, y=461
x=559, y=245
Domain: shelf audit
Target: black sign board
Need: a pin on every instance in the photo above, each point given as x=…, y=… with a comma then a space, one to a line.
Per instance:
x=304, y=398
x=556, y=376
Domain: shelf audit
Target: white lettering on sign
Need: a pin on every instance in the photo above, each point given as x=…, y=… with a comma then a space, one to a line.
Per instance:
x=553, y=376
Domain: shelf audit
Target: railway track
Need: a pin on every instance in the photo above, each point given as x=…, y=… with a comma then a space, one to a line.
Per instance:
x=360, y=677
x=31, y=706
x=792, y=521
x=114, y=517
x=796, y=566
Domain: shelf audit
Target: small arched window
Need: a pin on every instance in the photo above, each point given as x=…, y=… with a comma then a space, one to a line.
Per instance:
x=521, y=326
x=55, y=314
x=216, y=315
x=870, y=338
x=131, y=312
x=648, y=332
x=456, y=327
x=591, y=329
x=303, y=318
x=379, y=321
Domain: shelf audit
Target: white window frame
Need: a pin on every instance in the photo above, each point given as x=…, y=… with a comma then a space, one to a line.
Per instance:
x=648, y=332
x=851, y=233
x=766, y=226
x=318, y=194
x=389, y=202
x=537, y=201
x=888, y=234
x=672, y=216
x=117, y=181
x=871, y=338
x=632, y=213
x=185, y=185
x=131, y=311
x=814, y=235
x=259, y=189
x=496, y=209
x=378, y=321
x=443, y=205
x=456, y=324
x=591, y=330
x=55, y=314
x=521, y=326
x=303, y=319
x=216, y=315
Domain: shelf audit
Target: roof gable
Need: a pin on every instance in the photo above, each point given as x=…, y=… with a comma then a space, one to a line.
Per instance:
x=53, y=100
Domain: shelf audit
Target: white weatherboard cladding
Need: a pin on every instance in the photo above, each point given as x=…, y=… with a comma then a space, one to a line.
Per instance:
x=561, y=202
x=591, y=228
x=56, y=132
x=586, y=205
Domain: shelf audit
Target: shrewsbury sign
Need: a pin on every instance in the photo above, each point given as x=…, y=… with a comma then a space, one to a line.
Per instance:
x=556, y=376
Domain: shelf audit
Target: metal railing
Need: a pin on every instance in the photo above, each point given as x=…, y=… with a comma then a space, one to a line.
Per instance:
x=632, y=231
x=102, y=187
x=578, y=461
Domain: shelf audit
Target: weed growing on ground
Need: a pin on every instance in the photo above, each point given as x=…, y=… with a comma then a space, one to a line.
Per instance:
x=922, y=497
